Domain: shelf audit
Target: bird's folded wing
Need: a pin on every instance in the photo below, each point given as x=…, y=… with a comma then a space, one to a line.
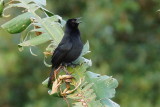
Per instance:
x=60, y=52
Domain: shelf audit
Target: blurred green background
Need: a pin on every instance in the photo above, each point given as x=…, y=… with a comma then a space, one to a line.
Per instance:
x=124, y=37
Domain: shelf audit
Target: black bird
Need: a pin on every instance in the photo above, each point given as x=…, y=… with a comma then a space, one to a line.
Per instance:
x=70, y=47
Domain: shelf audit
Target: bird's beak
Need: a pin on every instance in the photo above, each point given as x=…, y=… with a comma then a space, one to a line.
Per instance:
x=78, y=20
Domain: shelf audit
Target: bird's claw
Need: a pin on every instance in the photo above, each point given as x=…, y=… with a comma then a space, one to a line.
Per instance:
x=65, y=70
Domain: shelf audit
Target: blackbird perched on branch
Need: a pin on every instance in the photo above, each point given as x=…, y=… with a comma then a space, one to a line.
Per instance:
x=69, y=49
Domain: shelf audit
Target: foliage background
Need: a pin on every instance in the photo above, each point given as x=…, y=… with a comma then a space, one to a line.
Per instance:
x=124, y=38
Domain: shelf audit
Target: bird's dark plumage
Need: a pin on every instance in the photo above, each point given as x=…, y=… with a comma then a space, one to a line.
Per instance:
x=70, y=47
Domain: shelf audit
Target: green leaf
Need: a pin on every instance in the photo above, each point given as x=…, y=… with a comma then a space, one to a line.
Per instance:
x=78, y=71
x=85, y=49
x=47, y=12
x=84, y=95
x=27, y=4
x=53, y=29
x=40, y=2
x=15, y=5
x=81, y=60
x=36, y=40
x=1, y=7
x=18, y=24
x=57, y=18
x=109, y=103
x=45, y=82
x=95, y=89
x=104, y=87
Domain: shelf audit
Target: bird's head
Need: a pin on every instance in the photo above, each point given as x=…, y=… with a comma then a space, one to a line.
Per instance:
x=73, y=23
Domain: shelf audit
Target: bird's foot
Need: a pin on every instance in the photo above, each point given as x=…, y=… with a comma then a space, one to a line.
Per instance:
x=56, y=72
x=65, y=70
x=73, y=65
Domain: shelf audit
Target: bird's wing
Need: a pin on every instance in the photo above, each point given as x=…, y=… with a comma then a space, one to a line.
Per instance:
x=60, y=52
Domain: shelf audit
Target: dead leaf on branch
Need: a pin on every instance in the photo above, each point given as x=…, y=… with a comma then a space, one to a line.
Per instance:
x=68, y=80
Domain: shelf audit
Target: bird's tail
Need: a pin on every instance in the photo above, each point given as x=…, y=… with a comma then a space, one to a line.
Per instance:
x=51, y=77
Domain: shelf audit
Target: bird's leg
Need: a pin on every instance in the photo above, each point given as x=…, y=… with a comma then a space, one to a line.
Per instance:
x=70, y=64
x=57, y=71
x=64, y=65
x=65, y=70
